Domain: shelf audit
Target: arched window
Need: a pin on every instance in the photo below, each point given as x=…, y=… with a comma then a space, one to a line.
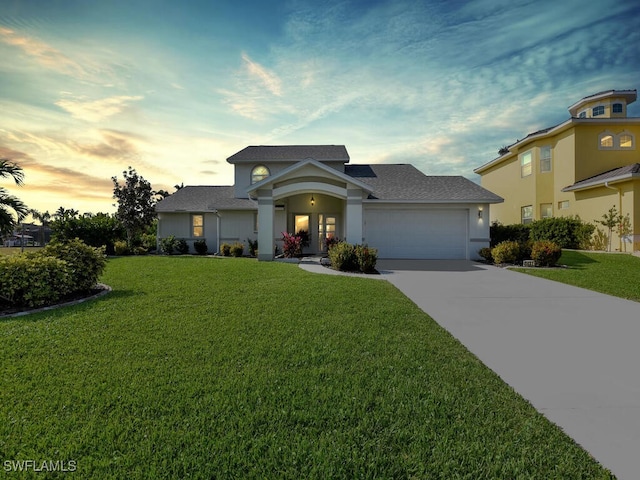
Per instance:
x=605, y=140
x=626, y=140
x=259, y=173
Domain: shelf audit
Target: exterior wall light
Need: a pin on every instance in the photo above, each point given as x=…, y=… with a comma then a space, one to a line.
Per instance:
x=480, y=213
x=313, y=202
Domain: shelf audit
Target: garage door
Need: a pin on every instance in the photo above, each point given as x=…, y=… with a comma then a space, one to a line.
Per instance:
x=404, y=233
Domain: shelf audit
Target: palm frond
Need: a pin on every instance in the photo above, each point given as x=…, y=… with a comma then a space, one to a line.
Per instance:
x=10, y=169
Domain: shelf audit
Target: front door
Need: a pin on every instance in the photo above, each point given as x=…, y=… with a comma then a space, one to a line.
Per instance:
x=326, y=229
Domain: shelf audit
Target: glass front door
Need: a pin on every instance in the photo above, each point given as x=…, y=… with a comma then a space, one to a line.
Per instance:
x=301, y=227
x=326, y=229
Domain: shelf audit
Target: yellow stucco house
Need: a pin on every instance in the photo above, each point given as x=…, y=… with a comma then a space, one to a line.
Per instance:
x=583, y=166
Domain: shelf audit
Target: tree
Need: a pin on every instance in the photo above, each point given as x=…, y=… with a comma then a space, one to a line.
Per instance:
x=136, y=202
x=44, y=219
x=12, y=210
x=624, y=228
x=503, y=150
x=610, y=220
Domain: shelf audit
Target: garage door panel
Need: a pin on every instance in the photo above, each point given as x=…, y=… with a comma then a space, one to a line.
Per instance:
x=429, y=233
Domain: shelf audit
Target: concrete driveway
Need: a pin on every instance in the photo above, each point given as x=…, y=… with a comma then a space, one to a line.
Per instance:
x=573, y=353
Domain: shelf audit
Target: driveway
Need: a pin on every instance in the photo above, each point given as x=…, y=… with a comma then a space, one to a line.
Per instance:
x=573, y=353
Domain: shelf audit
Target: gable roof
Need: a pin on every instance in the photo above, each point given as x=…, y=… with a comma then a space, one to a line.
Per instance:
x=297, y=166
x=293, y=153
x=616, y=175
x=405, y=183
x=204, y=199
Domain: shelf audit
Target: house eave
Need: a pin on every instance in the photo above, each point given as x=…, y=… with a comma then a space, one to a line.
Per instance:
x=435, y=202
x=554, y=131
x=601, y=183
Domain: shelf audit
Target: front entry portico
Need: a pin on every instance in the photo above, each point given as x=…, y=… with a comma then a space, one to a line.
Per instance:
x=308, y=194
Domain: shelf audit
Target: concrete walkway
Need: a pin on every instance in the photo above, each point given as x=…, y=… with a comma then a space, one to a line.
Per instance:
x=573, y=353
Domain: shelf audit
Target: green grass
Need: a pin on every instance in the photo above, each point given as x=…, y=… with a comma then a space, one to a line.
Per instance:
x=230, y=368
x=613, y=274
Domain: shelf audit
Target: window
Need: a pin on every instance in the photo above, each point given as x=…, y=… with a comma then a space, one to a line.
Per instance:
x=546, y=210
x=259, y=173
x=597, y=111
x=197, y=224
x=527, y=214
x=563, y=205
x=625, y=140
x=525, y=164
x=617, y=108
x=606, y=140
x=582, y=114
x=545, y=158
x=255, y=222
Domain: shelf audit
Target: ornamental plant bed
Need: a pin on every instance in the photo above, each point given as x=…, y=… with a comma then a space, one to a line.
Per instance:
x=7, y=310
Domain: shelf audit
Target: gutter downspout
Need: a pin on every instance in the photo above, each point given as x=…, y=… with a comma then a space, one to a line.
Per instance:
x=606, y=184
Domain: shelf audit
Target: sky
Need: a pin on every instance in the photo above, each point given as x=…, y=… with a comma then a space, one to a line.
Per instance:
x=88, y=88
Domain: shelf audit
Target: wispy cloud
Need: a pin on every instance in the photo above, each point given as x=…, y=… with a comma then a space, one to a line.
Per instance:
x=97, y=110
x=268, y=79
x=115, y=145
x=44, y=54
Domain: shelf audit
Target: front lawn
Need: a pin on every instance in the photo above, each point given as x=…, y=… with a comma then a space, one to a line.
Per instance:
x=229, y=368
x=613, y=274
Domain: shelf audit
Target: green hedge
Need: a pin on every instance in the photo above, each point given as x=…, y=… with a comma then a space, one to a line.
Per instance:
x=86, y=263
x=33, y=280
x=46, y=276
x=353, y=258
x=566, y=232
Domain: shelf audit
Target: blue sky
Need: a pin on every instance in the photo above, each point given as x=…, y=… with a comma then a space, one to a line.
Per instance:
x=88, y=88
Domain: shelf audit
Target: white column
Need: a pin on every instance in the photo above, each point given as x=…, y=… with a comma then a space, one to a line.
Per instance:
x=354, y=216
x=265, y=225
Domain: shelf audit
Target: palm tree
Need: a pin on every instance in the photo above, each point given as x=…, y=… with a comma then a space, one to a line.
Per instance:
x=43, y=218
x=9, y=204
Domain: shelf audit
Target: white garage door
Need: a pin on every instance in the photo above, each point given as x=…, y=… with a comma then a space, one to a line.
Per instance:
x=413, y=233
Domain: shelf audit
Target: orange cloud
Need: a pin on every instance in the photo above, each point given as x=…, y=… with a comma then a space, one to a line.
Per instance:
x=97, y=110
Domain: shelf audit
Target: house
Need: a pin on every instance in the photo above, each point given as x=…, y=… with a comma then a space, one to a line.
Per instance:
x=313, y=188
x=583, y=166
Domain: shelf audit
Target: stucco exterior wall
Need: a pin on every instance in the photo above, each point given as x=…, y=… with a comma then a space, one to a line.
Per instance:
x=179, y=225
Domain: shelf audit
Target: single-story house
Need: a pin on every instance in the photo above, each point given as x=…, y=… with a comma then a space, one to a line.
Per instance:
x=313, y=188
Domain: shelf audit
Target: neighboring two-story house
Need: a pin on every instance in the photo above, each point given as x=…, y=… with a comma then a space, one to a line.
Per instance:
x=583, y=166
x=394, y=208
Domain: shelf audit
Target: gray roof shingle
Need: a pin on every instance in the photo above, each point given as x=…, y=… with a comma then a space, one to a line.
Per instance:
x=204, y=199
x=264, y=153
x=404, y=182
x=399, y=182
x=621, y=173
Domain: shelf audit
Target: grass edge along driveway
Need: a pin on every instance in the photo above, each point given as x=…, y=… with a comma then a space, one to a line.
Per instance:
x=232, y=368
x=614, y=274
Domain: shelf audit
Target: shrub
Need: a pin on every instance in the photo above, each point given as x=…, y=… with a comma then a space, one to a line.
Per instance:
x=237, y=249
x=149, y=242
x=485, y=253
x=33, y=280
x=567, y=232
x=343, y=257
x=120, y=247
x=506, y=252
x=182, y=247
x=600, y=240
x=545, y=253
x=253, y=247
x=85, y=263
x=331, y=241
x=292, y=246
x=524, y=251
x=366, y=258
x=168, y=244
x=200, y=246
x=513, y=233
x=140, y=250
x=225, y=249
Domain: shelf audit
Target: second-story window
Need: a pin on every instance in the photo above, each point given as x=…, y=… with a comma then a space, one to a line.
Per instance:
x=545, y=158
x=525, y=164
x=617, y=108
x=259, y=173
x=597, y=111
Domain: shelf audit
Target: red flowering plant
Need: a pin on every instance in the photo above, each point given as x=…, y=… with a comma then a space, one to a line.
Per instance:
x=292, y=246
